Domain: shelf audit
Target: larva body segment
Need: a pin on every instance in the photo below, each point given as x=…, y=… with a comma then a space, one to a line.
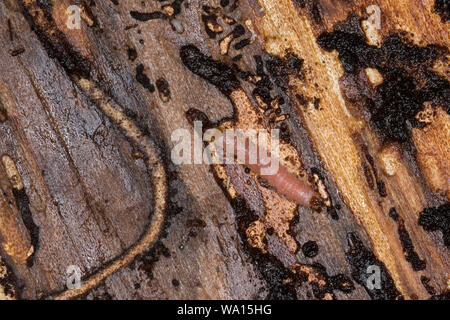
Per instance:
x=285, y=182
x=290, y=186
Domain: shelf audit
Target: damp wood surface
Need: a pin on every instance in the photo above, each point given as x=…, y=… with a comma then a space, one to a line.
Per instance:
x=75, y=190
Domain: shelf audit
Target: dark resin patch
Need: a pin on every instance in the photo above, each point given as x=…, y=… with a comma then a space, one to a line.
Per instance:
x=407, y=72
x=212, y=71
x=360, y=259
x=434, y=219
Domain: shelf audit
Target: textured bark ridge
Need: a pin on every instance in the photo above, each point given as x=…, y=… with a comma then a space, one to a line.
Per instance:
x=358, y=89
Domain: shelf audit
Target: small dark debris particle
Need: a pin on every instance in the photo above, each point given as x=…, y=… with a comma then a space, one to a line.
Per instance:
x=393, y=214
x=381, y=188
x=115, y=2
x=310, y=249
x=238, y=31
x=145, y=16
x=143, y=79
x=132, y=26
x=242, y=44
x=301, y=3
x=163, y=89
x=426, y=283
x=237, y=58
x=132, y=54
x=224, y=3
x=17, y=51
x=270, y=231
x=175, y=282
x=3, y=114
x=137, y=286
x=316, y=103
x=301, y=99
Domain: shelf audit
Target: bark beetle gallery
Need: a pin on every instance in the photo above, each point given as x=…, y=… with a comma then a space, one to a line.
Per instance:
x=92, y=205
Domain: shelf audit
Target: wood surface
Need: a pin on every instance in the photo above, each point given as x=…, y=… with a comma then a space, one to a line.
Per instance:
x=87, y=157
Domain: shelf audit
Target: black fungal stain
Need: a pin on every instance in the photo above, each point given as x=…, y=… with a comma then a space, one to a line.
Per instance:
x=142, y=78
x=207, y=68
x=438, y=218
x=23, y=204
x=408, y=247
x=409, y=80
x=310, y=249
x=442, y=7
x=360, y=259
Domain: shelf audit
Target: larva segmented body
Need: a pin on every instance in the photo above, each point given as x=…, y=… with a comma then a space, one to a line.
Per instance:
x=285, y=182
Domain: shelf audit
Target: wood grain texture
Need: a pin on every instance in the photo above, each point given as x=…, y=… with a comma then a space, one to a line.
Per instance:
x=90, y=191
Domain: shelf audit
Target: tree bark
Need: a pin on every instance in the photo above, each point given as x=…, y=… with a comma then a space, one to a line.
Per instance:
x=87, y=116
